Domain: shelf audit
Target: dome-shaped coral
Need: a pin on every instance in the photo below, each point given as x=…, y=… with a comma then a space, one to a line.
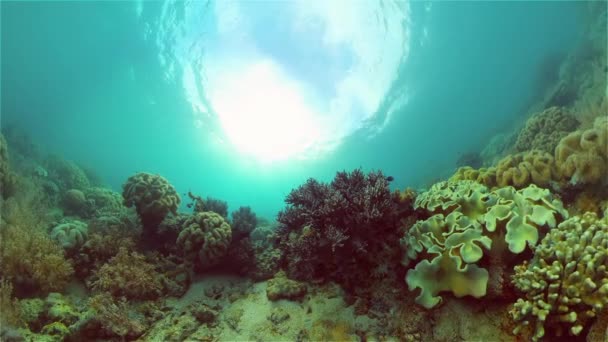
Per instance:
x=545, y=129
x=582, y=156
x=152, y=196
x=71, y=234
x=204, y=239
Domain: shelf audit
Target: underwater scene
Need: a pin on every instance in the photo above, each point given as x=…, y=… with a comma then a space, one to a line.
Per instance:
x=303, y=171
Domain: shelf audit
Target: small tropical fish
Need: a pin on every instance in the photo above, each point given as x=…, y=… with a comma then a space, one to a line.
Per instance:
x=390, y=178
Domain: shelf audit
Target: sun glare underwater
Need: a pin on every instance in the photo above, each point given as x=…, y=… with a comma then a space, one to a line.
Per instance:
x=303, y=170
x=285, y=79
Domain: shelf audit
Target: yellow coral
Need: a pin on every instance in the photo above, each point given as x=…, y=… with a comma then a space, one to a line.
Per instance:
x=522, y=169
x=485, y=176
x=582, y=156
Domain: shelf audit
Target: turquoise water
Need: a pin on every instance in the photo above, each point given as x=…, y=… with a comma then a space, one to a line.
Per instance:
x=244, y=101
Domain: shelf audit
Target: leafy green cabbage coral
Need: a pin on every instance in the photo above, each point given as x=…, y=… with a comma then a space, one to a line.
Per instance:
x=565, y=286
x=468, y=220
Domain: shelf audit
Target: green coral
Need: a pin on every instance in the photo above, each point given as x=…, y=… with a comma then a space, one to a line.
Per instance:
x=71, y=234
x=565, y=285
x=468, y=221
x=446, y=273
x=521, y=213
x=204, y=239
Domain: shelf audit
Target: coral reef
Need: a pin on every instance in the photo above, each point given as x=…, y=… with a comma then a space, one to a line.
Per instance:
x=80, y=262
x=565, y=285
x=152, y=196
x=582, y=156
x=204, y=239
x=545, y=129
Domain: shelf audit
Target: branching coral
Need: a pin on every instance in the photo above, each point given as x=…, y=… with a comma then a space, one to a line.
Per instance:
x=116, y=318
x=152, y=196
x=582, y=156
x=32, y=261
x=545, y=129
x=204, y=239
x=243, y=222
x=565, y=286
x=129, y=275
x=335, y=231
x=215, y=205
x=468, y=222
